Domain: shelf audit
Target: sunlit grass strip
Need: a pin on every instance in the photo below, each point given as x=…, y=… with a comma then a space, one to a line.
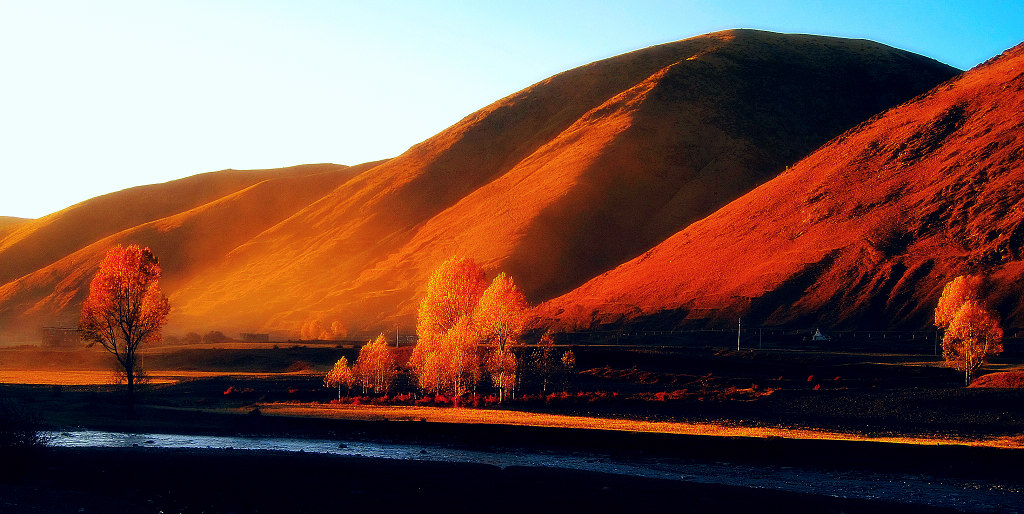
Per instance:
x=93, y=377
x=506, y=417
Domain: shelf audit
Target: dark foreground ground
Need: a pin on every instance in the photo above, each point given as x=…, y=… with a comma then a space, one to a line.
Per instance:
x=166, y=480
x=873, y=394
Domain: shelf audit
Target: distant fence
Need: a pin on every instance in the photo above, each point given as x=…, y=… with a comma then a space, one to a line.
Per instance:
x=768, y=338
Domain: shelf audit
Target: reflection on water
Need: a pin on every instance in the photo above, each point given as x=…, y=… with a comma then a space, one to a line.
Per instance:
x=908, y=488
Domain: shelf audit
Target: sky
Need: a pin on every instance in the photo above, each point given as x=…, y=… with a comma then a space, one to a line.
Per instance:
x=101, y=95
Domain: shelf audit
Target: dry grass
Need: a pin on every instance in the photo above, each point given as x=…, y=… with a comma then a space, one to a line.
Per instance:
x=92, y=377
x=506, y=417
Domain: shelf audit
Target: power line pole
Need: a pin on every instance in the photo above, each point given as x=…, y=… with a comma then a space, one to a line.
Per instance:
x=739, y=331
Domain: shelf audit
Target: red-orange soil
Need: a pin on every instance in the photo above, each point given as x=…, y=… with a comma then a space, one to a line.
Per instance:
x=1002, y=380
x=555, y=184
x=862, y=233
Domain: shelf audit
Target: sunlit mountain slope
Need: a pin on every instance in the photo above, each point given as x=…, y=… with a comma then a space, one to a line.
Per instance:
x=561, y=181
x=190, y=224
x=862, y=233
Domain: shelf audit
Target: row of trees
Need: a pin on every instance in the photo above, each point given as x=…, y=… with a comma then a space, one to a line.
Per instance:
x=459, y=315
x=374, y=369
x=467, y=329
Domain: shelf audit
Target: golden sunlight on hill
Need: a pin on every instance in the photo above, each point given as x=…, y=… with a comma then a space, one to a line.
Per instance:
x=562, y=180
x=864, y=232
x=554, y=184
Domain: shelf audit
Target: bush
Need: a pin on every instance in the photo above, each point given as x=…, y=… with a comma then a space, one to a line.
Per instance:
x=19, y=435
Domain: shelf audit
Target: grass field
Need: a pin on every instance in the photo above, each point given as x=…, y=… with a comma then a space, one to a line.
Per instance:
x=511, y=417
x=94, y=377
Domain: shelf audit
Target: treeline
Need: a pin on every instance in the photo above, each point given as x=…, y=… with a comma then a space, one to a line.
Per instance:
x=469, y=335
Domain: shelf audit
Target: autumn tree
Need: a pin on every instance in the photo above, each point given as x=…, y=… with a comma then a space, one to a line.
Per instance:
x=453, y=367
x=376, y=365
x=317, y=329
x=503, y=367
x=453, y=291
x=972, y=336
x=544, y=361
x=500, y=317
x=568, y=367
x=125, y=307
x=954, y=295
x=340, y=375
x=972, y=332
x=215, y=336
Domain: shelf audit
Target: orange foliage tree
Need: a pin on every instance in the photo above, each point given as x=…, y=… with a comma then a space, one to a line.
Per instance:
x=544, y=361
x=568, y=368
x=503, y=368
x=316, y=329
x=453, y=291
x=500, y=317
x=972, y=336
x=340, y=375
x=457, y=314
x=972, y=331
x=954, y=295
x=125, y=307
x=376, y=365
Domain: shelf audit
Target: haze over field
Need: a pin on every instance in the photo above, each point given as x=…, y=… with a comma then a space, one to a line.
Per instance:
x=554, y=184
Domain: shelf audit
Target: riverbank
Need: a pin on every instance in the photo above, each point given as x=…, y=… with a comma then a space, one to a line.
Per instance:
x=208, y=480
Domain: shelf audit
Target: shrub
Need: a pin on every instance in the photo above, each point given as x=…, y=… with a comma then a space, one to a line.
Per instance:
x=19, y=435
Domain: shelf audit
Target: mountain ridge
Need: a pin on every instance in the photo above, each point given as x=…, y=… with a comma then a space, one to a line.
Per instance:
x=864, y=232
x=555, y=184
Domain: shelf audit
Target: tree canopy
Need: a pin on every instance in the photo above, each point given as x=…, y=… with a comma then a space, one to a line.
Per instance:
x=972, y=331
x=125, y=307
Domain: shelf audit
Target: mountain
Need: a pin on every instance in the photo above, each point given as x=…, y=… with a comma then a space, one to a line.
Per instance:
x=9, y=223
x=563, y=180
x=555, y=184
x=189, y=223
x=864, y=232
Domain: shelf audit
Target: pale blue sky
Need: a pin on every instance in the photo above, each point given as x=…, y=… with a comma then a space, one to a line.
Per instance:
x=100, y=95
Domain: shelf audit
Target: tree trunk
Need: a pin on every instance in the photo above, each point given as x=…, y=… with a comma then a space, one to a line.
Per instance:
x=130, y=378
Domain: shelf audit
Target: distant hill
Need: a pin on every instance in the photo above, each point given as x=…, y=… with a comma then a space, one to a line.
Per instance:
x=556, y=184
x=862, y=233
x=190, y=223
x=9, y=223
x=565, y=179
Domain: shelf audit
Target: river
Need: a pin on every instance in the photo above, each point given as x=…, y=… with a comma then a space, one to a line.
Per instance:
x=914, y=489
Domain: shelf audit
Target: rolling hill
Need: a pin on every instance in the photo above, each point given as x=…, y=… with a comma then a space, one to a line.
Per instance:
x=189, y=223
x=556, y=184
x=862, y=233
x=563, y=180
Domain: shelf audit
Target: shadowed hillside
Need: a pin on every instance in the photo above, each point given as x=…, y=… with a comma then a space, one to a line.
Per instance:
x=564, y=179
x=555, y=184
x=862, y=233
